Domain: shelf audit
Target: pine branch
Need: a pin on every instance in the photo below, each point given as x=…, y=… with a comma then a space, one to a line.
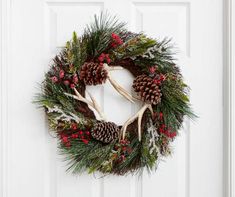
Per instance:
x=98, y=34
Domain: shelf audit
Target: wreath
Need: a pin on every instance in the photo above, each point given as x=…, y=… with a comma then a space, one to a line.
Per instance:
x=92, y=143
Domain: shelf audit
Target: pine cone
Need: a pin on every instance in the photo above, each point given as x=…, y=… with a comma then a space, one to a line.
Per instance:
x=147, y=88
x=105, y=132
x=93, y=73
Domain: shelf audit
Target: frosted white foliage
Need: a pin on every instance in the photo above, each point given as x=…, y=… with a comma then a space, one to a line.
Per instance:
x=153, y=134
x=149, y=53
x=62, y=115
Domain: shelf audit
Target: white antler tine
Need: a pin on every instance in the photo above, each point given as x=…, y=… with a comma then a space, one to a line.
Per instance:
x=91, y=103
x=96, y=106
x=116, y=86
x=121, y=90
x=114, y=68
x=138, y=116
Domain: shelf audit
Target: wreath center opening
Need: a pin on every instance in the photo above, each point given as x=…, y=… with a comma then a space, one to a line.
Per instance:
x=116, y=108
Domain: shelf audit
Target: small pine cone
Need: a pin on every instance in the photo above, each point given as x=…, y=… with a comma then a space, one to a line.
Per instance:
x=105, y=132
x=147, y=89
x=93, y=73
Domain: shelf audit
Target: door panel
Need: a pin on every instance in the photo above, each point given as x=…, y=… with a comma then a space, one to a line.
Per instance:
x=37, y=30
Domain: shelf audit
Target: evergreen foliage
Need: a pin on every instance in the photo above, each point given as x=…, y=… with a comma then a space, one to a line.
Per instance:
x=73, y=122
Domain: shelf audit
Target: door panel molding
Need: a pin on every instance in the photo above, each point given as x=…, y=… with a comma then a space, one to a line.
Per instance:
x=5, y=33
x=229, y=98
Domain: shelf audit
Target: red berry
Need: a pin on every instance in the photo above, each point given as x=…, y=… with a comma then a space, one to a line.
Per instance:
x=65, y=139
x=80, y=132
x=161, y=130
x=113, y=45
x=155, y=81
x=122, y=141
x=101, y=64
x=163, y=126
x=74, y=126
x=119, y=41
x=61, y=74
x=152, y=69
x=87, y=132
x=108, y=60
x=124, y=148
x=74, y=135
x=167, y=133
x=161, y=116
x=85, y=141
x=54, y=79
x=114, y=36
x=62, y=135
x=101, y=57
x=66, y=82
x=172, y=134
x=72, y=85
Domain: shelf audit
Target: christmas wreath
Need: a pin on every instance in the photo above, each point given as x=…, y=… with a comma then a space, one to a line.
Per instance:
x=91, y=142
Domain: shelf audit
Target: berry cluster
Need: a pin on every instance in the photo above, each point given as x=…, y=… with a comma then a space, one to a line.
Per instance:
x=60, y=77
x=104, y=58
x=159, y=79
x=152, y=69
x=75, y=133
x=116, y=40
x=167, y=131
x=162, y=127
x=123, y=149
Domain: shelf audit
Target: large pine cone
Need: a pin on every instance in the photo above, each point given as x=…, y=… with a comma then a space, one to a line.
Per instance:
x=147, y=89
x=105, y=132
x=92, y=73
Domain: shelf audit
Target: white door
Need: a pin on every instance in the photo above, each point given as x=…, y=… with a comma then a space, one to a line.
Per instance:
x=34, y=29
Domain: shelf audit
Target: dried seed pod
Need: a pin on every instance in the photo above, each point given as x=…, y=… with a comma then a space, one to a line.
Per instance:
x=92, y=73
x=148, y=89
x=105, y=132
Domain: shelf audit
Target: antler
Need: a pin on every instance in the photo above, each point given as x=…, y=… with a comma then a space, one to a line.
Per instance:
x=91, y=103
x=139, y=116
x=117, y=87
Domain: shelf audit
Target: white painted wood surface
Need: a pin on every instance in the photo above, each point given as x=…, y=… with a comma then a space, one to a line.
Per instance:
x=32, y=31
